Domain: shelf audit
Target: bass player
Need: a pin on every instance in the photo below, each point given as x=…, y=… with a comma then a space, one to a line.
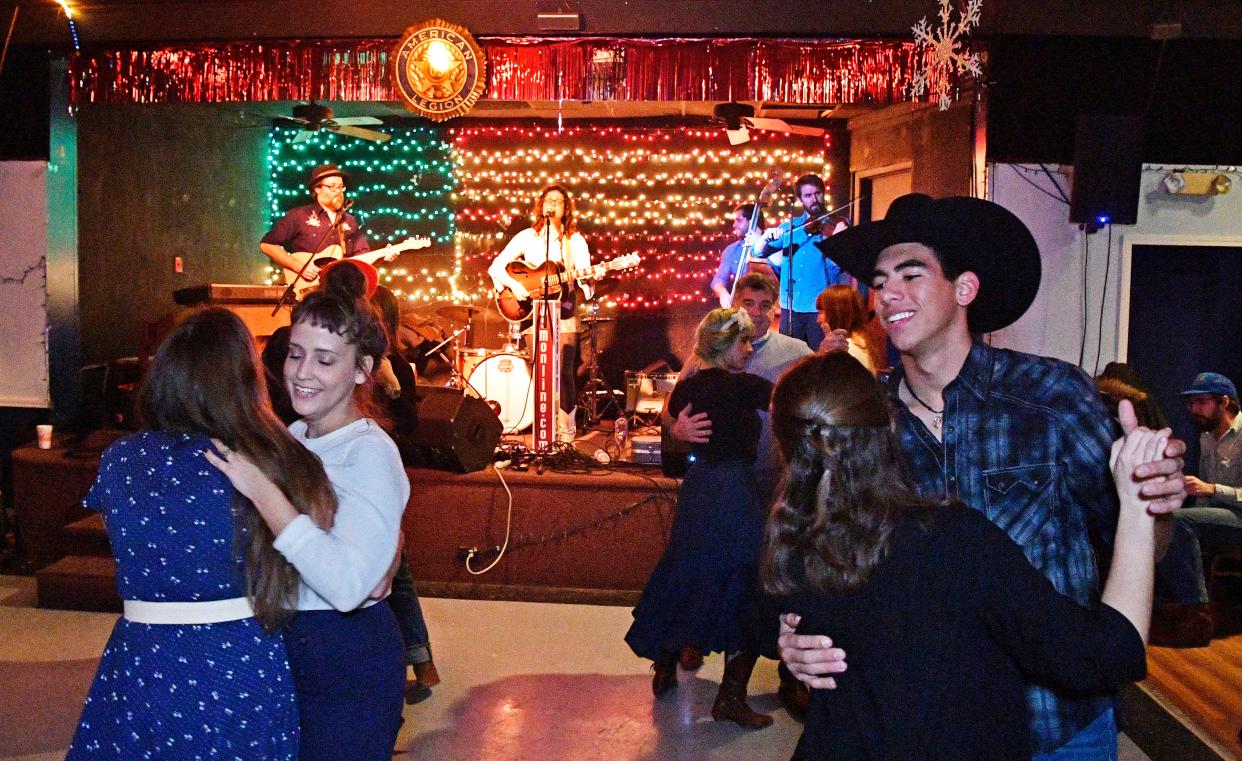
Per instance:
x=553, y=237
x=316, y=226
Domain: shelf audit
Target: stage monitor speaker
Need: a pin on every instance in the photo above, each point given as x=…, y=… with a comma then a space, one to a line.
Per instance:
x=455, y=432
x=1108, y=166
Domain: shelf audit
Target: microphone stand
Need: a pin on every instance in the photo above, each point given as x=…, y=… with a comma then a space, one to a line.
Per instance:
x=787, y=324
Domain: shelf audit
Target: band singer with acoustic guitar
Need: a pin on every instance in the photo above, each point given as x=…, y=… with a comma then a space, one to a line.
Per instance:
x=553, y=238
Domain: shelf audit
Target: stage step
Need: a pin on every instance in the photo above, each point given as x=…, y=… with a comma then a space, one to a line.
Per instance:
x=79, y=582
x=86, y=537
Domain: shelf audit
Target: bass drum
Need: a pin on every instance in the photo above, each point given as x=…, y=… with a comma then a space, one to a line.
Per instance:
x=504, y=381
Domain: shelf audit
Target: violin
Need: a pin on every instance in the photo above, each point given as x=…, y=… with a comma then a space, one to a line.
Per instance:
x=829, y=221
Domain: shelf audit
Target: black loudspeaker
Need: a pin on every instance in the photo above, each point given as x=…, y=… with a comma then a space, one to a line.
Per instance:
x=1108, y=165
x=455, y=432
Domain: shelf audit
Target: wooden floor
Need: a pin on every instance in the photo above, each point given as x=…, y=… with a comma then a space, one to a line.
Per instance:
x=1205, y=683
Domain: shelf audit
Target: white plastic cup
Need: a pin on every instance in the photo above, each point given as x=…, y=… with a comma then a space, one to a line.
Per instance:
x=44, y=435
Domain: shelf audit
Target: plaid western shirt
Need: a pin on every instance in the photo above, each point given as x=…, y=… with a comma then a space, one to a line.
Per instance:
x=1026, y=441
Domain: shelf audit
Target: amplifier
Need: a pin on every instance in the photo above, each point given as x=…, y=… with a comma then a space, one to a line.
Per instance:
x=646, y=394
x=224, y=293
x=645, y=450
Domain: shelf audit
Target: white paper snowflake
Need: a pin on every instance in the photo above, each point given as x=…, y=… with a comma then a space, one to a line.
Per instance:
x=942, y=51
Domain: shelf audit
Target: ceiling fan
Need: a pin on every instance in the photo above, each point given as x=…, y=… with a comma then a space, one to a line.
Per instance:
x=739, y=118
x=314, y=116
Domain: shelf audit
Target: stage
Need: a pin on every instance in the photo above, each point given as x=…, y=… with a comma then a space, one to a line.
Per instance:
x=581, y=537
x=590, y=535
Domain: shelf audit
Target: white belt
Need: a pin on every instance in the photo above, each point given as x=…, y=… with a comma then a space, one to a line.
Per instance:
x=211, y=612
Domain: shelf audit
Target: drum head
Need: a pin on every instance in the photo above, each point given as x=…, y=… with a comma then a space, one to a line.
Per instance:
x=505, y=380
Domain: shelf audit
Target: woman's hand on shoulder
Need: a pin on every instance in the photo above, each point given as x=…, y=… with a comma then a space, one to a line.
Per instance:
x=245, y=476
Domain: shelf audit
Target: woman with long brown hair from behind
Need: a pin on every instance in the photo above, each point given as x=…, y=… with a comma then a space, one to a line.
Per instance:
x=942, y=616
x=345, y=650
x=197, y=666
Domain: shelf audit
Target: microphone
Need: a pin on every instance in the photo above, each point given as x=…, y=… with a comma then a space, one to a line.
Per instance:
x=345, y=206
x=547, y=215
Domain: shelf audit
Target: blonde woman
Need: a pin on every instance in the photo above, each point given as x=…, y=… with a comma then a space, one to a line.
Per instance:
x=703, y=588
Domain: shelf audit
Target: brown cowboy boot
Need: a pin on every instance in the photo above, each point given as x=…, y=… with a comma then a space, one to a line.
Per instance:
x=426, y=673
x=730, y=702
x=691, y=657
x=665, y=676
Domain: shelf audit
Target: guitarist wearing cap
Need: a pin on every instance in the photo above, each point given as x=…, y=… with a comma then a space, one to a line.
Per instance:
x=553, y=237
x=316, y=226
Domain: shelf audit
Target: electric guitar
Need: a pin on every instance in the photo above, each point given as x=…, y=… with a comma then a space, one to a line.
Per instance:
x=559, y=282
x=333, y=252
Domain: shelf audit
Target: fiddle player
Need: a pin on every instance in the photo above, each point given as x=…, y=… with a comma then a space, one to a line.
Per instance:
x=804, y=270
x=732, y=267
x=316, y=226
x=553, y=237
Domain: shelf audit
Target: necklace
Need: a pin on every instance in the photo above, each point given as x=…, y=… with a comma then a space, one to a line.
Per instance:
x=937, y=421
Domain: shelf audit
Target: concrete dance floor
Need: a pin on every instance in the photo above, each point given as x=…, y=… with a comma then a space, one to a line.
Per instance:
x=522, y=681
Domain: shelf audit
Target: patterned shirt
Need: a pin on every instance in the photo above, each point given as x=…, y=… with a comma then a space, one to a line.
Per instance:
x=1026, y=442
x=309, y=228
x=1220, y=463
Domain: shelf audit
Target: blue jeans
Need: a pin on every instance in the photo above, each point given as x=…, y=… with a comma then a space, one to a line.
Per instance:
x=409, y=614
x=1179, y=576
x=1096, y=742
x=350, y=682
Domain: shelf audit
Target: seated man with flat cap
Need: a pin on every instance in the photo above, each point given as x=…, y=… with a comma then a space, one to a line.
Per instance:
x=317, y=226
x=1023, y=439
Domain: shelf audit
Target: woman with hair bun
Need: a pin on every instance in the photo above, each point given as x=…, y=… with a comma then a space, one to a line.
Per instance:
x=703, y=588
x=943, y=617
x=345, y=651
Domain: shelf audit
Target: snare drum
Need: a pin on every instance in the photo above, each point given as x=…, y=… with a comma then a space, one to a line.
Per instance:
x=504, y=379
x=468, y=359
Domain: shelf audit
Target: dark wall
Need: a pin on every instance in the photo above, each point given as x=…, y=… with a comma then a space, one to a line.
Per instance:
x=157, y=182
x=1040, y=84
x=937, y=144
x=24, y=101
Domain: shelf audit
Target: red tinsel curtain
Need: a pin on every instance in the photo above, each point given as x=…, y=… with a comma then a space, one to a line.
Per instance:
x=519, y=68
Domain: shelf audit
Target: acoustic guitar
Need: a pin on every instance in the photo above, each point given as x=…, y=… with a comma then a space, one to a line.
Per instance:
x=333, y=252
x=551, y=280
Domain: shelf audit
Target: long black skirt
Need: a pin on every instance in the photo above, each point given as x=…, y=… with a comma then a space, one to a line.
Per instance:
x=704, y=586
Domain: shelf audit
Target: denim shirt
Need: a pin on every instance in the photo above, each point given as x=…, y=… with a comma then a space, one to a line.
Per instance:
x=1026, y=441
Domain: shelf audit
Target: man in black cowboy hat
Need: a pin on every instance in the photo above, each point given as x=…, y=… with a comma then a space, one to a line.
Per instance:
x=314, y=227
x=1024, y=439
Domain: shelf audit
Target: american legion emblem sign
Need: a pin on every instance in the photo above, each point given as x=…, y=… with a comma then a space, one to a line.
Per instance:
x=438, y=69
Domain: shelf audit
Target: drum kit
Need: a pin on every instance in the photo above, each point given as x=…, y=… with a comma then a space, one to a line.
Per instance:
x=503, y=377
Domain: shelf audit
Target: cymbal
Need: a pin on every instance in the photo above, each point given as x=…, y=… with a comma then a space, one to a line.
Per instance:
x=466, y=312
x=590, y=318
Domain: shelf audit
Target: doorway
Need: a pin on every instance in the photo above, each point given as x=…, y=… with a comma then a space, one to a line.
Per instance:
x=1181, y=318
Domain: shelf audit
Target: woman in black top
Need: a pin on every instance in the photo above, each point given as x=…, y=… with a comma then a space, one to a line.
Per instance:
x=941, y=614
x=703, y=587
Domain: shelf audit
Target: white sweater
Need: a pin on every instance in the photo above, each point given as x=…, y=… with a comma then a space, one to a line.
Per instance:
x=341, y=566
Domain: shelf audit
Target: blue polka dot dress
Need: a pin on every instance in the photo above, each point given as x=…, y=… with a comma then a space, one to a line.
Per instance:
x=215, y=691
